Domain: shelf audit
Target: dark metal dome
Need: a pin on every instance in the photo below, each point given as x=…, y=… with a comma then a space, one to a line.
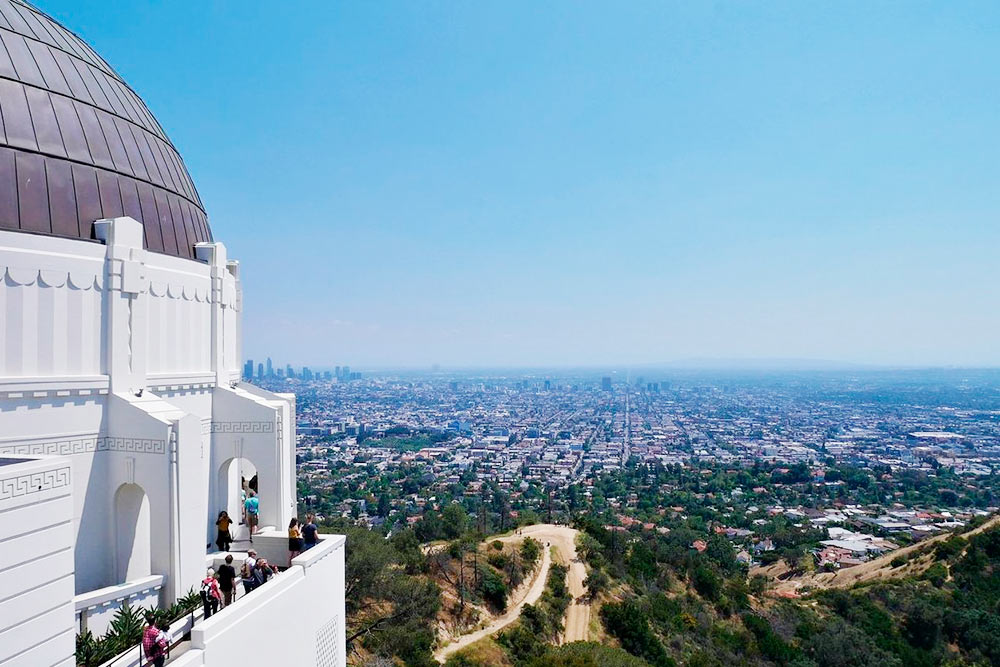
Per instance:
x=77, y=144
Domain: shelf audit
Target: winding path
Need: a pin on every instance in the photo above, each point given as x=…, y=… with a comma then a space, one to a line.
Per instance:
x=563, y=539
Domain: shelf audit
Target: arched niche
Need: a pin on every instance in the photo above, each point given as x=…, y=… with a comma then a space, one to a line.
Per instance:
x=132, y=534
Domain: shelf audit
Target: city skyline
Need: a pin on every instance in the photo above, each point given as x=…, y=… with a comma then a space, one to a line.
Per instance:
x=577, y=184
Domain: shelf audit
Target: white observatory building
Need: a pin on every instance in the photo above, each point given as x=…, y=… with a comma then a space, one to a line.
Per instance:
x=124, y=427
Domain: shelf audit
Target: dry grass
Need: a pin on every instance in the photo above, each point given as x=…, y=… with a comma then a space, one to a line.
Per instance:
x=486, y=652
x=918, y=557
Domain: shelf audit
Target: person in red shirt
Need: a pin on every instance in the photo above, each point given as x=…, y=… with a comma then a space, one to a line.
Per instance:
x=154, y=643
x=210, y=594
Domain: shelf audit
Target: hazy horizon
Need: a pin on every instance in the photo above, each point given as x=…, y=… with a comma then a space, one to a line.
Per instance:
x=574, y=184
x=689, y=366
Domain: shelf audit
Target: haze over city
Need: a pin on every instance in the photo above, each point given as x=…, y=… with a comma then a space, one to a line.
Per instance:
x=586, y=183
x=565, y=334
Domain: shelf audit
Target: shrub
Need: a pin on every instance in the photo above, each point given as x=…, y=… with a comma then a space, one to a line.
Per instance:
x=497, y=560
x=936, y=574
x=494, y=589
x=627, y=623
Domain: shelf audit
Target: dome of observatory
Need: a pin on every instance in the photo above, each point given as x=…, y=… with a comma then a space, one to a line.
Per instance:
x=77, y=144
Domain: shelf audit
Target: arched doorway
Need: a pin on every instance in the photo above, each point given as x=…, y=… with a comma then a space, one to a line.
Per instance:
x=132, y=534
x=237, y=476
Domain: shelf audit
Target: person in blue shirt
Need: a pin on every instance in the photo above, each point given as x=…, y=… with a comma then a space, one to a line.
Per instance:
x=252, y=507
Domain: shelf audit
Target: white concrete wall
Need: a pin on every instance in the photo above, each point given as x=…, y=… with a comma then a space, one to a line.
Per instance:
x=123, y=363
x=82, y=321
x=36, y=563
x=311, y=592
x=51, y=293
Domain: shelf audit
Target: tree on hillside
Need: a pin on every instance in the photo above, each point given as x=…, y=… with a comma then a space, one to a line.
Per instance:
x=454, y=521
x=388, y=610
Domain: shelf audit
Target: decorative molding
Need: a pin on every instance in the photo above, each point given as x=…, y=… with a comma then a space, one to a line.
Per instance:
x=86, y=445
x=135, y=445
x=74, y=279
x=186, y=291
x=242, y=427
x=35, y=482
x=281, y=431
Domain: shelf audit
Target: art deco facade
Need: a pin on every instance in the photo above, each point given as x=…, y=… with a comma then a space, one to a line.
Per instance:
x=124, y=427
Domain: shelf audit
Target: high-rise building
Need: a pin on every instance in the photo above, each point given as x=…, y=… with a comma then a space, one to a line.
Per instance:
x=606, y=383
x=260, y=371
x=289, y=371
x=248, y=370
x=336, y=372
x=270, y=368
x=119, y=442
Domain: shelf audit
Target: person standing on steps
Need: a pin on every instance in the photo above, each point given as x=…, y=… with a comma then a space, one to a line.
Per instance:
x=252, y=507
x=210, y=595
x=227, y=580
x=224, y=539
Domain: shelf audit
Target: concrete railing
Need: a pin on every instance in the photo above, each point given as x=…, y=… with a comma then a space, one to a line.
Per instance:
x=95, y=609
x=328, y=544
x=314, y=581
x=178, y=630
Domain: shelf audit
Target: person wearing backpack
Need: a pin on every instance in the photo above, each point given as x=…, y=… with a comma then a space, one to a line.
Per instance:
x=210, y=595
x=247, y=577
x=154, y=642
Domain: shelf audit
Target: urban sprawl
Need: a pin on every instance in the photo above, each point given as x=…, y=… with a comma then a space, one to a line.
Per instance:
x=834, y=467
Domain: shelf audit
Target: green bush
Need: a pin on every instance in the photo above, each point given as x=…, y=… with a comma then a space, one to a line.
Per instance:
x=125, y=630
x=937, y=574
x=628, y=624
x=494, y=590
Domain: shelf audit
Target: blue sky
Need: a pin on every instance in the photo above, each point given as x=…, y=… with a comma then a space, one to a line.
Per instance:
x=577, y=183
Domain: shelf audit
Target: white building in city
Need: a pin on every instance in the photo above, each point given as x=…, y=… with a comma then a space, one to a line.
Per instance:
x=124, y=427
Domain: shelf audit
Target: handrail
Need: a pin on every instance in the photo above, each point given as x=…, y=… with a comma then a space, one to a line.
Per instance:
x=133, y=657
x=327, y=545
x=100, y=596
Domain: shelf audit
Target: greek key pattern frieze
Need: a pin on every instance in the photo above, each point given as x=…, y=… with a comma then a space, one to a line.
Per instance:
x=36, y=482
x=134, y=445
x=71, y=446
x=242, y=427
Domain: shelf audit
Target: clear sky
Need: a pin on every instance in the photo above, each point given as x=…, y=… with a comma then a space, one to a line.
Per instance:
x=576, y=183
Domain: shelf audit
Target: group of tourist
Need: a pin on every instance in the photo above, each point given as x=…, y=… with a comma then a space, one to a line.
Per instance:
x=218, y=589
x=302, y=537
